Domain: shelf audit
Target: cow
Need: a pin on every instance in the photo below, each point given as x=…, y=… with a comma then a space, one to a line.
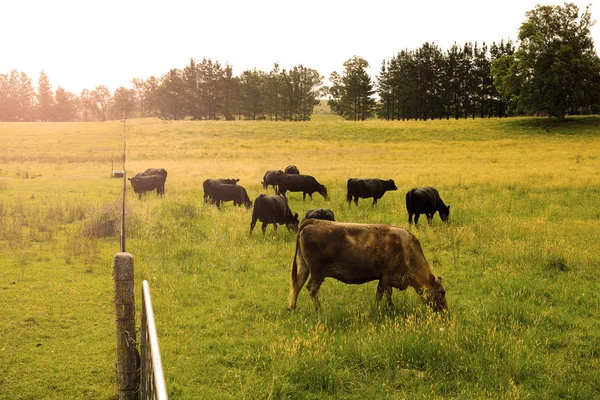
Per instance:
x=358, y=253
x=208, y=185
x=300, y=183
x=425, y=200
x=221, y=193
x=154, y=171
x=273, y=210
x=365, y=188
x=271, y=178
x=147, y=183
x=319, y=213
x=291, y=169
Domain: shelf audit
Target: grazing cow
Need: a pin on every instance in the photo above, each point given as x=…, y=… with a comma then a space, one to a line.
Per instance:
x=359, y=253
x=227, y=192
x=208, y=185
x=271, y=178
x=365, y=188
x=155, y=171
x=426, y=201
x=147, y=183
x=292, y=169
x=301, y=183
x=273, y=210
x=319, y=213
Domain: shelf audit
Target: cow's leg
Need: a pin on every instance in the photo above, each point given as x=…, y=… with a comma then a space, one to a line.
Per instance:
x=429, y=218
x=314, y=283
x=410, y=217
x=387, y=289
x=348, y=198
x=275, y=226
x=374, y=202
x=417, y=218
x=356, y=200
x=252, y=224
x=264, y=227
x=301, y=277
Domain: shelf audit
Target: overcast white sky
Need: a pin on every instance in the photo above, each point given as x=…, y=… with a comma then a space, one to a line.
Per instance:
x=85, y=43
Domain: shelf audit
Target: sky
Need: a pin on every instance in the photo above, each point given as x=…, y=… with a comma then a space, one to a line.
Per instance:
x=86, y=43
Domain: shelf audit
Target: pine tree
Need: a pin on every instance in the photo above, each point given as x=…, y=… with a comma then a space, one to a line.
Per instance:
x=45, y=98
x=351, y=94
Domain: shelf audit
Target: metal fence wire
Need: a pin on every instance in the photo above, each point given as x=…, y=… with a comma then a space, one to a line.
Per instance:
x=152, y=385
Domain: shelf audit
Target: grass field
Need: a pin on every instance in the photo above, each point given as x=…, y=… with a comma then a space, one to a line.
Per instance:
x=520, y=260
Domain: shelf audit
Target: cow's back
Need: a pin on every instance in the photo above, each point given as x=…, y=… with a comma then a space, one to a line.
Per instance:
x=422, y=200
x=355, y=253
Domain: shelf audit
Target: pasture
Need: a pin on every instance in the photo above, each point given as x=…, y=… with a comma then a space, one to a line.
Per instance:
x=520, y=259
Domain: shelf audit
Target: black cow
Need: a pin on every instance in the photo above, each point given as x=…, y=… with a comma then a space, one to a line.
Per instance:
x=319, y=213
x=221, y=193
x=208, y=185
x=154, y=171
x=271, y=178
x=147, y=183
x=365, y=188
x=273, y=210
x=301, y=183
x=426, y=201
x=291, y=169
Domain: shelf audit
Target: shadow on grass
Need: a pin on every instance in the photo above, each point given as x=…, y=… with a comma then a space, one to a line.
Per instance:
x=573, y=125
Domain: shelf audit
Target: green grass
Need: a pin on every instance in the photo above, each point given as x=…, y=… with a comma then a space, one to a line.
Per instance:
x=520, y=260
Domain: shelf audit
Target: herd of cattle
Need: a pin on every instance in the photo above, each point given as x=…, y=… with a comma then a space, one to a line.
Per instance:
x=349, y=252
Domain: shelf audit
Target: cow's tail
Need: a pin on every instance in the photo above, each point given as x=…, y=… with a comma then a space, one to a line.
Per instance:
x=294, y=277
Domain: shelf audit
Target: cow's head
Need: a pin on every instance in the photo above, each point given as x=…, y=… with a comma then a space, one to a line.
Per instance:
x=390, y=185
x=247, y=202
x=444, y=213
x=293, y=222
x=323, y=192
x=434, y=294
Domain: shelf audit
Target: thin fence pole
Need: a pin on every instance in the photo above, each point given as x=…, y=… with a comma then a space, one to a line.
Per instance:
x=123, y=205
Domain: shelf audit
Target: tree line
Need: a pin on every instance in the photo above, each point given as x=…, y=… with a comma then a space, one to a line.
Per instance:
x=203, y=90
x=554, y=71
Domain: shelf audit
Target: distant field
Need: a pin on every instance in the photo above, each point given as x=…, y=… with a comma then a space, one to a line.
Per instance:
x=520, y=260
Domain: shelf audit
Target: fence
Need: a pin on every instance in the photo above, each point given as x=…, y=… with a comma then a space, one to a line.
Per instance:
x=139, y=375
x=152, y=385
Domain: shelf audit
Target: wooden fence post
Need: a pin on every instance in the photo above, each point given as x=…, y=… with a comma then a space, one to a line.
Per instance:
x=127, y=355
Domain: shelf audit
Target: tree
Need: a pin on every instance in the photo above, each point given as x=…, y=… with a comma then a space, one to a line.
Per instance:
x=351, y=94
x=170, y=95
x=45, y=98
x=25, y=98
x=101, y=96
x=253, y=94
x=555, y=69
x=141, y=91
x=86, y=104
x=124, y=101
x=65, y=108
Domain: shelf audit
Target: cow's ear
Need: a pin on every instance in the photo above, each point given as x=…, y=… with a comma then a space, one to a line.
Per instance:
x=448, y=208
x=431, y=279
x=128, y=179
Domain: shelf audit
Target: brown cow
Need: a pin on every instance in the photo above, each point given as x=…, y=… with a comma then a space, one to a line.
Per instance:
x=359, y=253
